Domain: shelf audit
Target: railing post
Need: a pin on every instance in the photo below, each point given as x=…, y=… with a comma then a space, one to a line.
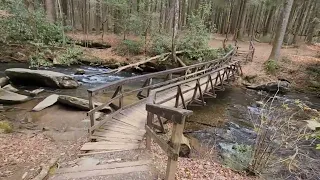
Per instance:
x=169, y=77
x=121, y=98
x=150, y=118
x=149, y=89
x=176, y=137
x=91, y=106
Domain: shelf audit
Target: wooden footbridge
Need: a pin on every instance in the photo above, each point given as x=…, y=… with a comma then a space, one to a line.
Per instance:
x=165, y=95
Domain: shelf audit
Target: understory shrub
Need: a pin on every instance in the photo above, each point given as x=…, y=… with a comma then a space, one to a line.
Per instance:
x=39, y=59
x=69, y=56
x=196, y=36
x=271, y=66
x=22, y=25
x=45, y=57
x=129, y=47
x=161, y=43
x=239, y=157
x=287, y=138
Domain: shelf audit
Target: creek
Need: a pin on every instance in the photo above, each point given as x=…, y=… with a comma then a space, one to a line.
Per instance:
x=228, y=121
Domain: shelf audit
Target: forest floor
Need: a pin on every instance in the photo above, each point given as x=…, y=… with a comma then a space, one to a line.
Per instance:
x=21, y=151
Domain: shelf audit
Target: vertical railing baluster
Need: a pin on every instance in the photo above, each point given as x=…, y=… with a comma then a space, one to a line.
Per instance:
x=91, y=106
x=177, y=98
x=150, y=118
x=121, y=98
x=149, y=89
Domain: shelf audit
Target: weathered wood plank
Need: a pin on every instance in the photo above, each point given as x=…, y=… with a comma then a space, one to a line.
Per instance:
x=89, y=147
x=118, y=135
x=103, y=172
x=91, y=153
x=103, y=166
x=113, y=139
x=124, y=131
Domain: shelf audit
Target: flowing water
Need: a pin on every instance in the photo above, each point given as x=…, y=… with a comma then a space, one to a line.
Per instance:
x=88, y=80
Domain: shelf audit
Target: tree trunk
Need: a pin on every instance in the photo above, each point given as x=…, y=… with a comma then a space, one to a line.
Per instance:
x=49, y=5
x=175, y=29
x=313, y=22
x=282, y=25
x=98, y=16
x=183, y=13
x=267, y=26
x=64, y=6
x=299, y=23
x=243, y=19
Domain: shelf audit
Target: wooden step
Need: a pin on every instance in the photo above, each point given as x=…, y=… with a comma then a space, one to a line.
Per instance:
x=102, y=170
x=108, y=146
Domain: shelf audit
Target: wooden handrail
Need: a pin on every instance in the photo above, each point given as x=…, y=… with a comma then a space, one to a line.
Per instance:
x=153, y=75
x=174, y=114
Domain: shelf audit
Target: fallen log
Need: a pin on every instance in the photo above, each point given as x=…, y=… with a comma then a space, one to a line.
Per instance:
x=90, y=44
x=165, y=55
x=181, y=62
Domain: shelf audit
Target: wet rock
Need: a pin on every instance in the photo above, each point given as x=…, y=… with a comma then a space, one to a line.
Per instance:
x=47, y=102
x=114, y=65
x=281, y=86
x=4, y=81
x=41, y=77
x=10, y=88
x=259, y=103
x=7, y=97
x=185, y=147
x=80, y=72
x=33, y=92
x=79, y=103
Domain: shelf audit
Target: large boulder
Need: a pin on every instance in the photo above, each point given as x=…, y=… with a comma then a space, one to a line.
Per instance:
x=79, y=103
x=41, y=77
x=7, y=97
x=278, y=86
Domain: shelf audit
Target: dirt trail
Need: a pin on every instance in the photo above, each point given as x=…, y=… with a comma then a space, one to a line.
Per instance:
x=292, y=65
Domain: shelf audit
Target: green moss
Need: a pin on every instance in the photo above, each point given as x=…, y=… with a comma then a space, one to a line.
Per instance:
x=5, y=127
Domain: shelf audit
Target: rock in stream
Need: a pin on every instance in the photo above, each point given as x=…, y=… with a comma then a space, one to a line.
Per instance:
x=7, y=97
x=41, y=78
x=280, y=86
x=4, y=81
